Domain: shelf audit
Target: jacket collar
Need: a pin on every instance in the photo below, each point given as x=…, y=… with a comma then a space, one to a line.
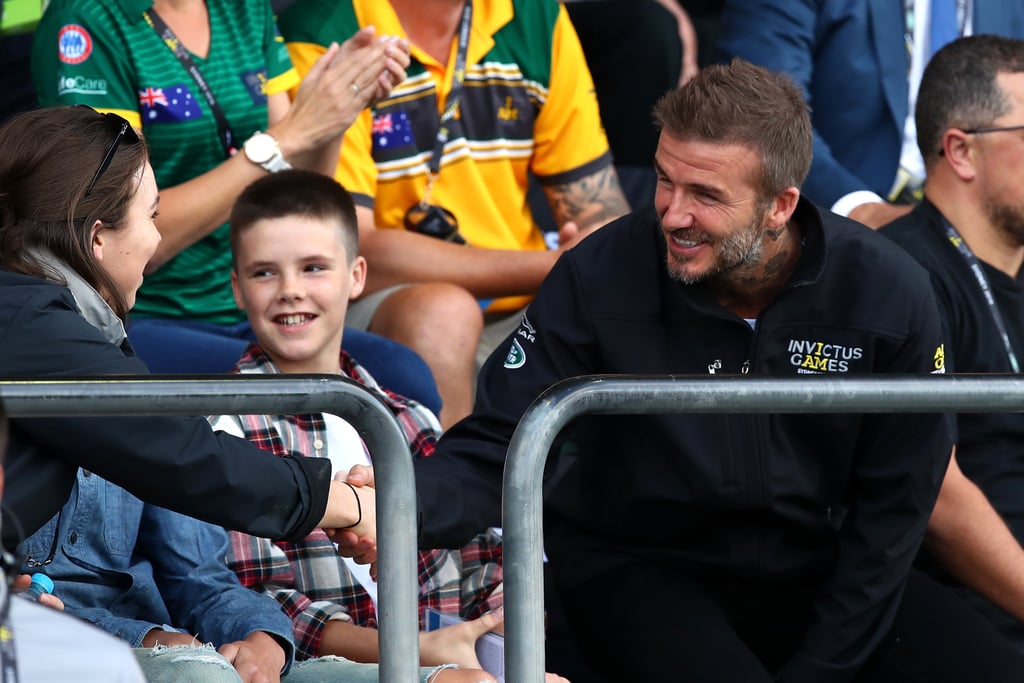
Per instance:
x=812, y=257
x=91, y=305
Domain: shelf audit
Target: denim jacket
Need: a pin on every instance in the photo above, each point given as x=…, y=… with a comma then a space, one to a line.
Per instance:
x=129, y=567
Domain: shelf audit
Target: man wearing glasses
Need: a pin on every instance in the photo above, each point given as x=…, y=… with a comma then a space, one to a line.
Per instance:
x=968, y=232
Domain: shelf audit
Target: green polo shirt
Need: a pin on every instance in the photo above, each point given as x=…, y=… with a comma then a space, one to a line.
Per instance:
x=104, y=54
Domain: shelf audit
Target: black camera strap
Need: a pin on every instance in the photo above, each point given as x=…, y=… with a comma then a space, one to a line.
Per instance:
x=227, y=136
x=451, y=105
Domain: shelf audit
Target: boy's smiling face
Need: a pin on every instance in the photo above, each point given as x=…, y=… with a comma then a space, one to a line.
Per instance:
x=294, y=281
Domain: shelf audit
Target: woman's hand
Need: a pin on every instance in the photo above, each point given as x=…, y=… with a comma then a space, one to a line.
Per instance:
x=341, y=83
x=351, y=521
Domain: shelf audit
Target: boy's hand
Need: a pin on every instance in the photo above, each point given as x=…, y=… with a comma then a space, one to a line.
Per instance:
x=257, y=659
x=22, y=581
x=457, y=643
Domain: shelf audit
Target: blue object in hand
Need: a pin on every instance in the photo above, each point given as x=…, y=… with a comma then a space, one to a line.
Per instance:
x=41, y=583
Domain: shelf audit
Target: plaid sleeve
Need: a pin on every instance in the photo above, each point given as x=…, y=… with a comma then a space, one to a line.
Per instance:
x=482, y=575
x=439, y=579
x=266, y=567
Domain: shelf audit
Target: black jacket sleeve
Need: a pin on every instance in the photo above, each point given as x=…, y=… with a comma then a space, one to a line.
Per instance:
x=459, y=487
x=174, y=462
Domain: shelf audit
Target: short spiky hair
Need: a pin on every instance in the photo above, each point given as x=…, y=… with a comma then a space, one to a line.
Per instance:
x=959, y=88
x=740, y=103
x=295, y=193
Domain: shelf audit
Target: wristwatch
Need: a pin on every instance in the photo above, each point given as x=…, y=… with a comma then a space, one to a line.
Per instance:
x=262, y=150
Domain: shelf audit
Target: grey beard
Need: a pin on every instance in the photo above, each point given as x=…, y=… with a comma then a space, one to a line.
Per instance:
x=735, y=252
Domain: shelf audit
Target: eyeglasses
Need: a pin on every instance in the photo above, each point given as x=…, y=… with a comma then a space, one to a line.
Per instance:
x=124, y=130
x=992, y=129
x=986, y=129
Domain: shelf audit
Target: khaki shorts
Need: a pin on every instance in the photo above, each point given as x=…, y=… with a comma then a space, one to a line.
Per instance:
x=497, y=326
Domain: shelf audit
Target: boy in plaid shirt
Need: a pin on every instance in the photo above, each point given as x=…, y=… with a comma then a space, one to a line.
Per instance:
x=295, y=291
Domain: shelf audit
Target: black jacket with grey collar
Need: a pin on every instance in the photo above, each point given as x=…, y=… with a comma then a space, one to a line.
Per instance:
x=172, y=461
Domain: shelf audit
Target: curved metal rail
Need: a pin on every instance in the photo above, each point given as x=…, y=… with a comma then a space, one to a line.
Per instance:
x=620, y=394
x=277, y=395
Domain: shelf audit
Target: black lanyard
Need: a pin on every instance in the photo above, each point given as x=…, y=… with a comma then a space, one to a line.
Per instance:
x=8, y=657
x=975, y=265
x=451, y=105
x=227, y=137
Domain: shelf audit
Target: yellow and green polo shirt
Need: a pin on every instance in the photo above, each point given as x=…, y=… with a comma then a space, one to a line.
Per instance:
x=104, y=54
x=528, y=104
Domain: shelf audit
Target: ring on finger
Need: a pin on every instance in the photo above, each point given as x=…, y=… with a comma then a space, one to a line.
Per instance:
x=355, y=88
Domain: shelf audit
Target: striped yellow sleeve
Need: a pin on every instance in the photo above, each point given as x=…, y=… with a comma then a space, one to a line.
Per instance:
x=286, y=82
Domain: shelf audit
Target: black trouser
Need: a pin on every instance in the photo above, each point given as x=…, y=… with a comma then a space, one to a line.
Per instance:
x=648, y=623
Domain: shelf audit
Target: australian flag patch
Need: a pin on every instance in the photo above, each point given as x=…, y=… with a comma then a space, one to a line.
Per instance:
x=391, y=131
x=168, y=105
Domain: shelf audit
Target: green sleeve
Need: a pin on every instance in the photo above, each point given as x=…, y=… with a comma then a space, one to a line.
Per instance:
x=278, y=61
x=79, y=57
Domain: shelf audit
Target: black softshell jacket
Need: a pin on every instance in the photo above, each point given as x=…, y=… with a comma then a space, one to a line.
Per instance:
x=839, y=500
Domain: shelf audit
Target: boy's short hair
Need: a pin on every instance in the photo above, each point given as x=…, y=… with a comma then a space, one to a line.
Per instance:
x=295, y=193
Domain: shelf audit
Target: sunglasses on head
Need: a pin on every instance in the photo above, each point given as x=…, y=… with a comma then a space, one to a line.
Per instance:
x=124, y=130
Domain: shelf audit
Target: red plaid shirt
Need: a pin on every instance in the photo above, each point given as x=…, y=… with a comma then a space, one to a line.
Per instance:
x=310, y=580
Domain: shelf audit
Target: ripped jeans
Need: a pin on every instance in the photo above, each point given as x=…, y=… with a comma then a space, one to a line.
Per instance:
x=203, y=664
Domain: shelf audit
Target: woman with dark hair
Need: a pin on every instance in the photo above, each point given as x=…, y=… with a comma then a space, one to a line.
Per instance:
x=78, y=201
x=207, y=82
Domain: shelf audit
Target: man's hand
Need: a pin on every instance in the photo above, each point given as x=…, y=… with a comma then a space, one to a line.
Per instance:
x=876, y=214
x=360, y=475
x=257, y=659
x=22, y=581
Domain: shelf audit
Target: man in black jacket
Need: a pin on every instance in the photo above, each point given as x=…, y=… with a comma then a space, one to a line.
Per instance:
x=754, y=547
x=969, y=234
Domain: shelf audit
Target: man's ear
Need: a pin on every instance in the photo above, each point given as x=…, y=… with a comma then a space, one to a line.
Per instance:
x=959, y=153
x=236, y=290
x=96, y=240
x=782, y=207
x=358, y=274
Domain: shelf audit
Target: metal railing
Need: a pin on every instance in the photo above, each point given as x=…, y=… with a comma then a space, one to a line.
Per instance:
x=618, y=394
x=396, y=494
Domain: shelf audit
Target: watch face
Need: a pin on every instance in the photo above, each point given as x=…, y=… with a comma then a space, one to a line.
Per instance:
x=260, y=148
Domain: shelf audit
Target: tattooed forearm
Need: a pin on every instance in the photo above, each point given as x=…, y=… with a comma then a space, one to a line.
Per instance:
x=589, y=202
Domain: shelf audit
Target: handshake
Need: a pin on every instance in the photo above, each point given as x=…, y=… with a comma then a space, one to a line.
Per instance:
x=353, y=491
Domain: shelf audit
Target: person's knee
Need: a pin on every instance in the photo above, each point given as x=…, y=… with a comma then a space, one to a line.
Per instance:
x=185, y=664
x=435, y=310
x=449, y=673
x=332, y=668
